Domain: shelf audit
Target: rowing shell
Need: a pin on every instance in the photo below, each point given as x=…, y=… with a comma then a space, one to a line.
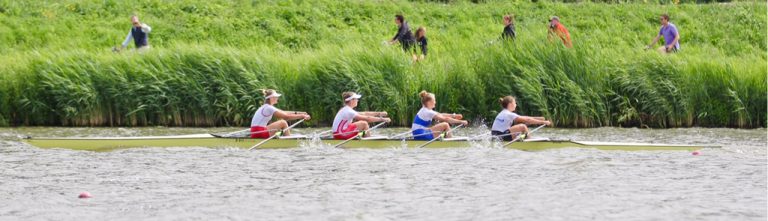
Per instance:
x=207, y=140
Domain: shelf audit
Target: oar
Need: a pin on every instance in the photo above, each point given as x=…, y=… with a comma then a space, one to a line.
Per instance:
x=250, y=133
x=522, y=136
x=401, y=134
x=276, y=134
x=236, y=132
x=491, y=136
x=321, y=134
x=363, y=133
x=438, y=137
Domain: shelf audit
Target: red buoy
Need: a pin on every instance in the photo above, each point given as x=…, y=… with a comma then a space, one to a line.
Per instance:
x=84, y=195
x=696, y=153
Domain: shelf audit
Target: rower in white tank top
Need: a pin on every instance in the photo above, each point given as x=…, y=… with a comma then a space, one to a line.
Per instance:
x=504, y=120
x=260, y=126
x=508, y=124
x=263, y=115
x=343, y=119
x=344, y=124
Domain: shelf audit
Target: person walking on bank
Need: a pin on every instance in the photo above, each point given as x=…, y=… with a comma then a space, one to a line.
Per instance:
x=670, y=34
x=557, y=29
x=509, y=28
x=421, y=41
x=139, y=33
x=404, y=34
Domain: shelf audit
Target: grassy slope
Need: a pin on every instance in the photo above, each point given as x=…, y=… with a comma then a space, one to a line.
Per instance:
x=210, y=57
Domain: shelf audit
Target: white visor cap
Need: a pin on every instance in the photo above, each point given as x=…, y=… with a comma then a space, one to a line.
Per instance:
x=273, y=95
x=354, y=96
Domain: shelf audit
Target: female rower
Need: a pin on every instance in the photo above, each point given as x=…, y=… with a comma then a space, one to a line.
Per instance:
x=259, y=127
x=503, y=125
x=421, y=123
x=343, y=125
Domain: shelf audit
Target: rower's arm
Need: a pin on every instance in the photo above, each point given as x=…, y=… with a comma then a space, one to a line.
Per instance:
x=449, y=119
x=373, y=113
x=531, y=120
x=370, y=119
x=286, y=115
x=453, y=115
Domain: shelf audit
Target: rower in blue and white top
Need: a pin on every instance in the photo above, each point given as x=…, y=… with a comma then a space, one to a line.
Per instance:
x=421, y=123
x=260, y=126
x=508, y=125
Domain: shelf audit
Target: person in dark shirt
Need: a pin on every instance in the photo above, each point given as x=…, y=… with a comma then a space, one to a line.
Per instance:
x=421, y=41
x=139, y=33
x=509, y=28
x=404, y=34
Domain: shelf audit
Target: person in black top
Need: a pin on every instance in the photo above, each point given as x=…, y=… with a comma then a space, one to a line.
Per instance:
x=509, y=28
x=404, y=34
x=421, y=41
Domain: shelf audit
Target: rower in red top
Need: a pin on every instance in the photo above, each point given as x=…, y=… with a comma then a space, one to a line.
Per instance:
x=259, y=127
x=348, y=122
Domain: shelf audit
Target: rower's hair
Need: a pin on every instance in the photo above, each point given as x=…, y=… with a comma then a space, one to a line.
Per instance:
x=505, y=101
x=346, y=95
x=426, y=97
x=267, y=92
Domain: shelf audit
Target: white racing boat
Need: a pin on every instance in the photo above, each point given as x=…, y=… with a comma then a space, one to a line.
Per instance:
x=375, y=142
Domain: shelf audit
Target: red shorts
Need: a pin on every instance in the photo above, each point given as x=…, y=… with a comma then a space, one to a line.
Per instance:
x=259, y=132
x=345, y=134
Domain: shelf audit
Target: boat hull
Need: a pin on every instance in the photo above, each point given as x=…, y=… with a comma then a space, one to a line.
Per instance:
x=107, y=144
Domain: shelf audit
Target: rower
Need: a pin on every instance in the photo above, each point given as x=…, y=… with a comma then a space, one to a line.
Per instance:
x=508, y=125
x=259, y=127
x=421, y=123
x=343, y=125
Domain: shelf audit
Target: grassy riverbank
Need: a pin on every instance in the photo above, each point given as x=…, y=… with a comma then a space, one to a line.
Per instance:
x=210, y=58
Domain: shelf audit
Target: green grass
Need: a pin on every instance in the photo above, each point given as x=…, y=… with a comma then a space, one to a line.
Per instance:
x=210, y=58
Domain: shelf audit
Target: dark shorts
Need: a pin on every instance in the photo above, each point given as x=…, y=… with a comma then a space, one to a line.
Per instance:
x=504, y=138
x=408, y=45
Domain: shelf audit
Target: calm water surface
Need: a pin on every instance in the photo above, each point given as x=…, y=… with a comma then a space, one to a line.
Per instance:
x=321, y=183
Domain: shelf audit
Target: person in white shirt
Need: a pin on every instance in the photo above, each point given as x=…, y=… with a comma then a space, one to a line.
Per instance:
x=508, y=125
x=422, y=128
x=260, y=126
x=348, y=122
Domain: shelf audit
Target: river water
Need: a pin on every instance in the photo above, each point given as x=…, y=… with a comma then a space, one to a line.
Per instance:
x=321, y=183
